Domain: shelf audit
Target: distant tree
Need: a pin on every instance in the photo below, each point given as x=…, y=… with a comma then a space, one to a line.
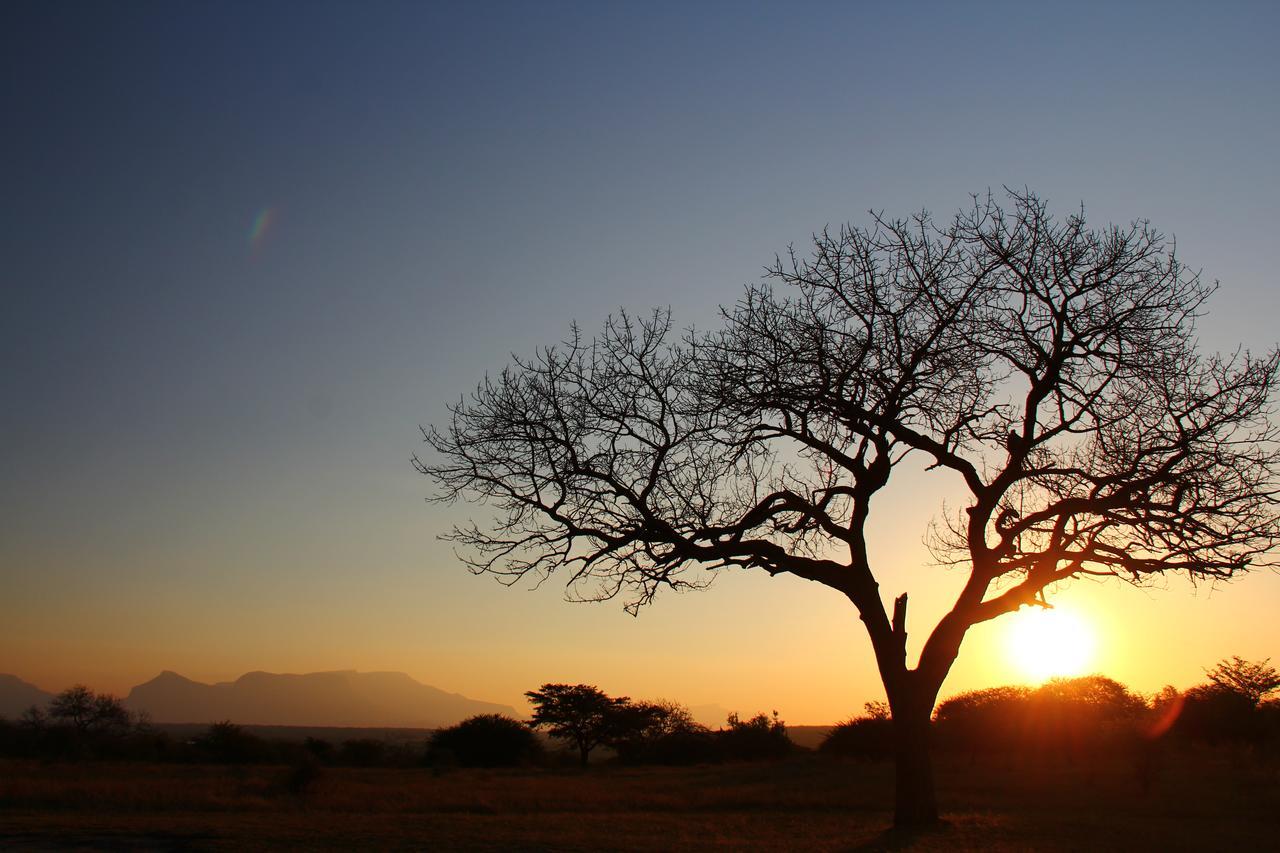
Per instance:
x=485, y=740
x=581, y=714
x=1049, y=369
x=1251, y=679
x=227, y=743
x=1217, y=714
x=761, y=737
x=75, y=706
x=1102, y=696
x=654, y=732
x=664, y=717
x=1231, y=707
x=34, y=719
x=87, y=711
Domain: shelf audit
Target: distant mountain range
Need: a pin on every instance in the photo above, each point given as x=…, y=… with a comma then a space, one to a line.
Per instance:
x=345, y=698
x=17, y=696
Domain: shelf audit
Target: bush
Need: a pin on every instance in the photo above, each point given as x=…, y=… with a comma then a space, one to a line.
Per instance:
x=695, y=745
x=486, y=740
x=756, y=739
x=1217, y=714
x=867, y=738
x=1063, y=716
x=227, y=743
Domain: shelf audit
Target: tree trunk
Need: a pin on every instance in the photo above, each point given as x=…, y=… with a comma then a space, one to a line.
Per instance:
x=915, y=800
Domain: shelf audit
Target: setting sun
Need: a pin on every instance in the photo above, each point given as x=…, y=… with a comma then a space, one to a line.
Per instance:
x=1044, y=644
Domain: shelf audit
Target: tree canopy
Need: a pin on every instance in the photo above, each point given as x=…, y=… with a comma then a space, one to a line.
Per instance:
x=1251, y=679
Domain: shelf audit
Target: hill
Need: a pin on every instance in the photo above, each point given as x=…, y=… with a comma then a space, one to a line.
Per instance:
x=346, y=699
x=17, y=696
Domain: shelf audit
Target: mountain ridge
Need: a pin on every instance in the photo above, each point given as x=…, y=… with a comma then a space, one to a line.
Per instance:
x=328, y=698
x=16, y=696
x=335, y=698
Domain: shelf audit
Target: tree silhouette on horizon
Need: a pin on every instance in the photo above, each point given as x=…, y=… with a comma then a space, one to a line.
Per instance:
x=1050, y=369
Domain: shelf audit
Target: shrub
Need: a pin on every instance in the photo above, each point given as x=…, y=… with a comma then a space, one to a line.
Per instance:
x=868, y=738
x=1064, y=716
x=1217, y=714
x=227, y=743
x=486, y=740
x=755, y=739
x=694, y=745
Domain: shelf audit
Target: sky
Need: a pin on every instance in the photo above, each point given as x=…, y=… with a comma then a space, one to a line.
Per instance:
x=249, y=248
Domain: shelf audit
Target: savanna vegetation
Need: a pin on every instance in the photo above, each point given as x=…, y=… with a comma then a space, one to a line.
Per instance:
x=1074, y=763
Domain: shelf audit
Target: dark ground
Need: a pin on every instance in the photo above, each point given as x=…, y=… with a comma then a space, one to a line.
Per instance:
x=1195, y=800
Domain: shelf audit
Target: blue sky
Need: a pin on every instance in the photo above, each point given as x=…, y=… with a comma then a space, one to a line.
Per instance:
x=204, y=446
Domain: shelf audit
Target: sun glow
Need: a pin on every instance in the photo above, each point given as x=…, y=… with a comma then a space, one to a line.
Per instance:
x=1044, y=644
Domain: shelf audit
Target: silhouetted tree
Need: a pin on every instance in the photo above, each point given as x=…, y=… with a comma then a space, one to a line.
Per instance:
x=761, y=737
x=80, y=723
x=87, y=711
x=227, y=743
x=1217, y=714
x=485, y=740
x=1049, y=369
x=1251, y=679
x=1065, y=717
x=579, y=713
x=663, y=732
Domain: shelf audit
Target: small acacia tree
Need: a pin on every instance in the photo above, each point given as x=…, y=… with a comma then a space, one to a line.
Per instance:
x=86, y=711
x=581, y=714
x=1251, y=679
x=1050, y=369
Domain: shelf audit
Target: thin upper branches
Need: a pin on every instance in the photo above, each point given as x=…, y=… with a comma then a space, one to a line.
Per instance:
x=1052, y=367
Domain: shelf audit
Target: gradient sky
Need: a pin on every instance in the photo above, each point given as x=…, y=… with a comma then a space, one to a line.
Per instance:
x=248, y=248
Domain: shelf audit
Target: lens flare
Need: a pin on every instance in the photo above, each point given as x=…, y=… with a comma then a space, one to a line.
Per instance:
x=261, y=226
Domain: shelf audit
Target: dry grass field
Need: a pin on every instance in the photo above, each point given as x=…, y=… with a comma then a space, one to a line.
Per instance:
x=1201, y=801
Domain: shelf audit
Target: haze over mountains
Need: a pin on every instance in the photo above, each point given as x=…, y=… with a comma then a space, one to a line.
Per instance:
x=17, y=696
x=344, y=698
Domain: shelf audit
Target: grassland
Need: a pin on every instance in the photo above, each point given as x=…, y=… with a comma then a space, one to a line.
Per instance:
x=1194, y=801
